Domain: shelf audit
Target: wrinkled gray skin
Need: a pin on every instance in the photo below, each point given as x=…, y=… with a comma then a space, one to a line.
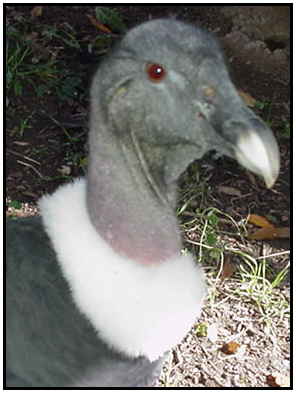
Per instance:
x=144, y=134
x=142, y=137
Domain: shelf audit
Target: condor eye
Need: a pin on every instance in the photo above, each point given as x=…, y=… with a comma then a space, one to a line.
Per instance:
x=155, y=72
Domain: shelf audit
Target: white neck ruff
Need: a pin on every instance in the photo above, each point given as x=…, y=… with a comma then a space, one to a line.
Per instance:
x=136, y=309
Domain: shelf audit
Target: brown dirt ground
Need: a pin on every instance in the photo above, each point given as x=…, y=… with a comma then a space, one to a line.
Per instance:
x=34, y=161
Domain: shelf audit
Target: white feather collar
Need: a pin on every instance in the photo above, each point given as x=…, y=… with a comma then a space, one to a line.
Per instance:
x=137, y=309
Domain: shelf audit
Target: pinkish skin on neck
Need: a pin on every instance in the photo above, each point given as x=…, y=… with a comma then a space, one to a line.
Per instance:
x=125, y=209
x=135, y=227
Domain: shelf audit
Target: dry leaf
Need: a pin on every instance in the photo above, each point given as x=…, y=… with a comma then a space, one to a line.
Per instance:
x=230, y=348
x=99, y=25
x=228, y=269
x=259, y=221
x=247, y=98
x=263, y=233
x=283, y=232
x=278, y=381
x=230, y=191
x=270, y=233
x=36, y=11
x=267, y=231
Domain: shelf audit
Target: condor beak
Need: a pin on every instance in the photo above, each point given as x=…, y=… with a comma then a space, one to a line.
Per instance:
x=257, y=150
x=238, y=131
x=245, y=137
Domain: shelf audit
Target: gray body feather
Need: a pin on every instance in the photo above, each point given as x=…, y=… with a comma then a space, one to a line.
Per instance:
x=39, y=306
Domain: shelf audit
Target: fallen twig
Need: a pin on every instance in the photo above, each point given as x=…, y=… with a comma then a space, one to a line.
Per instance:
x=23, y=156
x=31, y=166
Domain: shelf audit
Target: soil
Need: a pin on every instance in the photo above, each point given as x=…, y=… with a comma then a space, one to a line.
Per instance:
x=41, y=158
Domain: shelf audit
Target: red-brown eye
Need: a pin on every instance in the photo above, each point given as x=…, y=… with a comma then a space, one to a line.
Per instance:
x=156, y=72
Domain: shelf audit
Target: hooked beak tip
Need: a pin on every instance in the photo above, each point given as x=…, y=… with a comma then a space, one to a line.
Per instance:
x=259, y=153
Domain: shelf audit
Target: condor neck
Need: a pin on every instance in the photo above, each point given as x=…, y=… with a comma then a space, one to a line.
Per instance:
x=126, y=207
